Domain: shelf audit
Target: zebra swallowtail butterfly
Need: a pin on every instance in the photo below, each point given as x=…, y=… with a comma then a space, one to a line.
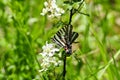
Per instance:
x=65, y=37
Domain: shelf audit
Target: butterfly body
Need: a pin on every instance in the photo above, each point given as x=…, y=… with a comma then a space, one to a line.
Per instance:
x=68, y=49
x=65, y=37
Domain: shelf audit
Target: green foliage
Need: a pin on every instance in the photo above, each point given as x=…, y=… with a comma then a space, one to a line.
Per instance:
x=23, y=32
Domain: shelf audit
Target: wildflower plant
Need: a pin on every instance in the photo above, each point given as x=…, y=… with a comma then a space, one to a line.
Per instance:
x=51, y=9
x=48, y=57
x=63, y=38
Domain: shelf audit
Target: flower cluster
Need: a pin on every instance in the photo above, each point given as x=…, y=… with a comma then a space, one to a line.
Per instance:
x=48, y=58
x=51, y=9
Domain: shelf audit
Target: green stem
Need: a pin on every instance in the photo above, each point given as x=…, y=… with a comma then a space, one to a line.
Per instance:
x=64, y=65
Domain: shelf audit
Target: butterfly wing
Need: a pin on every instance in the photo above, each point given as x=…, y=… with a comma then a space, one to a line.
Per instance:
x=73, y=37
x=60, y=37
x=65, y=37
x=68, y=33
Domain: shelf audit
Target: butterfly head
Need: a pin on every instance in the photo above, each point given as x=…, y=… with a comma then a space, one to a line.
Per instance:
x=68, y=50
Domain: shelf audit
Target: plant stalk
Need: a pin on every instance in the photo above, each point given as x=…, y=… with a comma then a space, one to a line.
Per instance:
x=64, y=66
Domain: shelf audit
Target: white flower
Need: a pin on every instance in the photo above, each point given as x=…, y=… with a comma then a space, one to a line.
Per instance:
x=48, y=58
x=51, y=9
x=49, y=50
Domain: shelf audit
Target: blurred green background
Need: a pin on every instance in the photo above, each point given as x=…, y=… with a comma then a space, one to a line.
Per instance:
x=23, y=32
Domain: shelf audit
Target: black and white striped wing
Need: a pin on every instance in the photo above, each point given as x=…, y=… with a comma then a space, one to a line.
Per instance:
x=69, y=33
x=65, y=36
x=73, y=37
x=58, y=40
x=60, y=37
